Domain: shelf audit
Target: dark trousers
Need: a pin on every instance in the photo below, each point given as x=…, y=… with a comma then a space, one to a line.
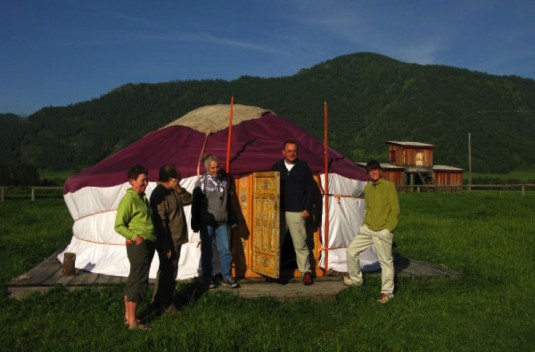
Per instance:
x=164, y=288
x=140, y=257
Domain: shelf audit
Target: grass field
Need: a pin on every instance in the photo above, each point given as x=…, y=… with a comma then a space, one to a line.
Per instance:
x=524, y=175
x=489, y=237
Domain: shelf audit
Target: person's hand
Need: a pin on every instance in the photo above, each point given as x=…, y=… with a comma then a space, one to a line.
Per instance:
x=337, y=197
x=139, y=240
x=305, y=214
x=169, y=254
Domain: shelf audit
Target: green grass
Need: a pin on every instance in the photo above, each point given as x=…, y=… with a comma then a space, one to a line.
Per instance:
x=524, y=175
x=489, y=237
x=58, y=175
x=29, y=232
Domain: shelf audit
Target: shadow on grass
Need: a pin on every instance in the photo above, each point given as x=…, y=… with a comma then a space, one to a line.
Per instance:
x=186, y=294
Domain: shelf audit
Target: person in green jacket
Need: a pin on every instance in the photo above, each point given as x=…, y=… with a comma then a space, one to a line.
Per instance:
x=134, y=223
x=382, y=211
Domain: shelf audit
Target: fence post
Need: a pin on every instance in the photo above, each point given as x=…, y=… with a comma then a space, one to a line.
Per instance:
x=523, y=190
x=33, y=194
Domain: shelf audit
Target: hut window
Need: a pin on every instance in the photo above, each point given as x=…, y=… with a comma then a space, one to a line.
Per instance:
x=419, y=159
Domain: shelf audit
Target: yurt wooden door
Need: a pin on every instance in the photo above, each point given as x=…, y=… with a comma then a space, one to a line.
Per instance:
x=266, y=249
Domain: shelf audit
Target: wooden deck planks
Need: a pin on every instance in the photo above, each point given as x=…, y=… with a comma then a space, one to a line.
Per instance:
x=48, y=274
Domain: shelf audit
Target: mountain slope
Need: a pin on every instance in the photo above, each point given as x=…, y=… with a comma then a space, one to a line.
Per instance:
x=371, y=98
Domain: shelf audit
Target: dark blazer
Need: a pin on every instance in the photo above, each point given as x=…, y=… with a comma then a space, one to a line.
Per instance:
x=297, y=186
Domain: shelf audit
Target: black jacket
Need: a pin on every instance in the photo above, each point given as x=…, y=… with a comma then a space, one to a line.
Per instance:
x=297, y=186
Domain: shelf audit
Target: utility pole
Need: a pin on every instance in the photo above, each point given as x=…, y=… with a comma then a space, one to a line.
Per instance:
x=469, y=161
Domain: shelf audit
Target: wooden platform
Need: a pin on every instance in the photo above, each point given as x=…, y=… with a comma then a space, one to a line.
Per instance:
x=49, y=274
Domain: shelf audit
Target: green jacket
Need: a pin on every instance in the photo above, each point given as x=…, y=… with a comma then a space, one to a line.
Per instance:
x=134, y=217
x=382, y=205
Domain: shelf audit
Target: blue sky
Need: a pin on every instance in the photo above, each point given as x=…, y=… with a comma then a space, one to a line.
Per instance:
x=60, y=52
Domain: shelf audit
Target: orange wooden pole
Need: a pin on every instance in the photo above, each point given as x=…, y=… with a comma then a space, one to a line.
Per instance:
x=229, y=136
x=201, y=155
x=326, y=186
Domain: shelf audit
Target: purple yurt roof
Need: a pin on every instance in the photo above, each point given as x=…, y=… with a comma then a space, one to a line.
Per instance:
x=256, y=144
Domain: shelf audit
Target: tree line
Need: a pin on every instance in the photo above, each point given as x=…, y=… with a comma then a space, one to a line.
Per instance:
x=372, y=99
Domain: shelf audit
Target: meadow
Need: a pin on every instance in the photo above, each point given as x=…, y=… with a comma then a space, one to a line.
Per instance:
x=520, y=175
x=488, y=236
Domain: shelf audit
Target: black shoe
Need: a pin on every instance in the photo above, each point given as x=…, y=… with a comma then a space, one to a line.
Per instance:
x=208, y=283
x=308, y=279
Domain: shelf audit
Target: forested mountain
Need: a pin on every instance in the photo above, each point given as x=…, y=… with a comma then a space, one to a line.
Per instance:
x=371, y=99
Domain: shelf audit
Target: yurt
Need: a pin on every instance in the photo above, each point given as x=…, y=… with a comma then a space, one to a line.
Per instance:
x=248, y=149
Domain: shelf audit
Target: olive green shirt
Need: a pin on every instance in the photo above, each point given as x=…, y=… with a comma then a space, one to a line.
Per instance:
x=134, y=217
x=382, y=205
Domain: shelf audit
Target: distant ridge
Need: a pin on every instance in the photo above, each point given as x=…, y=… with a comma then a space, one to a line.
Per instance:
x=372, y=98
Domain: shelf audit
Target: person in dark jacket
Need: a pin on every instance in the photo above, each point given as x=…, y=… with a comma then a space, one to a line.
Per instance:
x=167, y=202
x=297, y=200
x=211, y=215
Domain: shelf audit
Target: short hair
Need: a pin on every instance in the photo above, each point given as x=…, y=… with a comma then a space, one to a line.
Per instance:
x=289, y=141
x=168, y=171
x=136, y=170
x=209, y=158
x=373, y=165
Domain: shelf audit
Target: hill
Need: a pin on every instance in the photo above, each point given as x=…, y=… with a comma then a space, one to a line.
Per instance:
x=372, y=99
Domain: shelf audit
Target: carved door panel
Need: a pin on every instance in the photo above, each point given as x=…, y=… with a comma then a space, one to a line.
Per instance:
x=266, y=224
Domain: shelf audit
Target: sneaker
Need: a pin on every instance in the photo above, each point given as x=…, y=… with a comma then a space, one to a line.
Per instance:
x=385, y=297
x=349, y=282
x=307, y=278
x=230, y=283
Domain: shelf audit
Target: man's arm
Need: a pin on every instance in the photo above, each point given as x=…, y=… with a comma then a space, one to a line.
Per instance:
x=184, y=197
x=276, y=166
x=309, y=185
x=393, y=202
x=195, y=209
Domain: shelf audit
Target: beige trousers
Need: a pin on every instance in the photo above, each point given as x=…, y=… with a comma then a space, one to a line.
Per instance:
x=297, y=226
x=382, y=240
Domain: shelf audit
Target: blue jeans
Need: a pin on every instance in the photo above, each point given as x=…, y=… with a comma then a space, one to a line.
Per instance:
x=222, y=238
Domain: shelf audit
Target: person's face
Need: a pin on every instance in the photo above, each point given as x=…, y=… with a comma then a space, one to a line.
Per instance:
x=140, y=183
x=213, y=168
x=290, y=153
x=173, y=182
x=375, y=174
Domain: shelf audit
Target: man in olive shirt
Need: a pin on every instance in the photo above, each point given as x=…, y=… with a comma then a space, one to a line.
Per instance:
x=382, y=211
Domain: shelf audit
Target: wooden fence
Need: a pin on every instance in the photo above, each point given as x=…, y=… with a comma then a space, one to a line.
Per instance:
x=29, y=192
x=523, y=188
